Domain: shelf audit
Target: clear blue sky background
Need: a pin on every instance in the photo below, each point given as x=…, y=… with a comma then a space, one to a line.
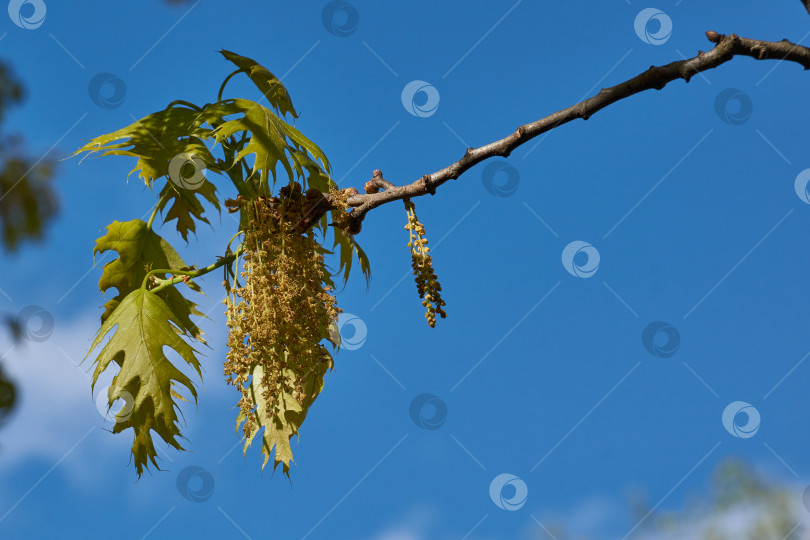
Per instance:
x=560, y=393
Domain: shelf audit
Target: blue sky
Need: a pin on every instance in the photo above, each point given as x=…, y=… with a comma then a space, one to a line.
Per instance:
x=544, y=374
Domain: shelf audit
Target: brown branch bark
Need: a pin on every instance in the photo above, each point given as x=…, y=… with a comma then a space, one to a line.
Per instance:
x=726, y=48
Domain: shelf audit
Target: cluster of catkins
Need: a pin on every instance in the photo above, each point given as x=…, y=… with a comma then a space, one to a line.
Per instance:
x=422, y=264
x=283, y=310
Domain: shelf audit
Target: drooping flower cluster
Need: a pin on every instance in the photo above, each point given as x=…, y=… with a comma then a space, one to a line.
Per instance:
x=341, y=218
x=283, y=310
x=422, y=263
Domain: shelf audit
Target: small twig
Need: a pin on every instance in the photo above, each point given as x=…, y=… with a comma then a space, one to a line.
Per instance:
x=377, y=183
x=185, y=275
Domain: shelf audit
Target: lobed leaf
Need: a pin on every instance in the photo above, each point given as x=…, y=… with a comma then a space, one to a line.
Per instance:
x=186, y=206
x=265, y=81
x=141, y=326
x=140, y=250
x=155, y=139
x=349, y=248
x=288, y=417
x=271, y=138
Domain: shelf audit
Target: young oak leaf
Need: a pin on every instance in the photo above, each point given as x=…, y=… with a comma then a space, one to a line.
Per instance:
x=186, y=207
x=146, y=380
x=265, y=81
x=140, y=250
x=288, y=415
x=310, y=170
x=271, y=138
x=349, y=248
x=156, y=139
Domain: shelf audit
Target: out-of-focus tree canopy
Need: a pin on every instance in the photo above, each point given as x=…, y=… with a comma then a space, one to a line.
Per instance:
x=27, y=200
x=741, y=504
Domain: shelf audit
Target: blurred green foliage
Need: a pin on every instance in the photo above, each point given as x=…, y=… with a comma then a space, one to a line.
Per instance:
x=28, y=202
x=741, y=504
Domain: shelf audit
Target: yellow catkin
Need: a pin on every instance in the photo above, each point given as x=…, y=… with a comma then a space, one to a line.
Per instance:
x=427, y=283
x=341, y=218
x=283, y=312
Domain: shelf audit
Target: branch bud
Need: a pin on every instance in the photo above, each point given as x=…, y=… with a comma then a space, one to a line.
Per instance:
x=713, y=36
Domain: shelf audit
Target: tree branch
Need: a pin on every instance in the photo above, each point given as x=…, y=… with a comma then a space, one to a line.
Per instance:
x=726, y=48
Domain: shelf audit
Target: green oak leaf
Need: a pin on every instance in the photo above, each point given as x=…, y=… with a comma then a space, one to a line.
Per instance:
x=156, y=139
x=271, y=138
x=141, y=326
x=139, y=251
x=349, y=248
x=265, y=81
x=289, y=414
x=309, y=169
x=185, y=207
